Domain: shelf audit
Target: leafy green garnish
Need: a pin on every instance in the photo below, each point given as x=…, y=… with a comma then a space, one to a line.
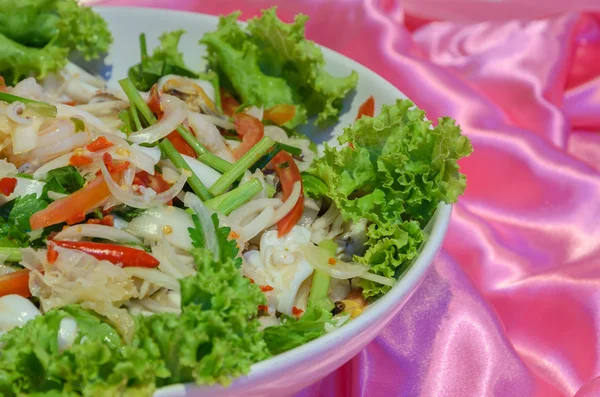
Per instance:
x=166, y=59
x=396, y=174
x=63, y=180
x=126, y=212
x=197, y=232
x=21, y=209
x=11, y=235
x=36, y=36
x=273, y=63
x=128, y=125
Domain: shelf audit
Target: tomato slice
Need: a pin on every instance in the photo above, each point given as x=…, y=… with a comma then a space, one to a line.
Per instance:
x=16, y=283
x=80, y=159
x=228, y=103
x=280, y=114
x=2, y=84
x=98, y=144
x=71, y=207
x=180, y=144
x=367, y=108
x=251, y=130
x=7, y=186
x=288, y=174
x=154, y=102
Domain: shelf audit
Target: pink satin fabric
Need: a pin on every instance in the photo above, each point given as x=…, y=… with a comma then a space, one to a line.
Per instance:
x=512, y=305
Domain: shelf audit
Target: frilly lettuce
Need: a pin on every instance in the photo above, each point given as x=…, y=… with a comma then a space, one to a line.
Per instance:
x=394, y=172
x=36, y=36
x=273, y=63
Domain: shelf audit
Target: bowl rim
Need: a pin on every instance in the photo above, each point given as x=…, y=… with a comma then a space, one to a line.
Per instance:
x=404, y=287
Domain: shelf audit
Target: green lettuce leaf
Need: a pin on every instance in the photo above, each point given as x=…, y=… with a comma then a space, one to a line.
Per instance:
x=273, y=64
x=166, y=59
x=36, y=36
x=395, y=175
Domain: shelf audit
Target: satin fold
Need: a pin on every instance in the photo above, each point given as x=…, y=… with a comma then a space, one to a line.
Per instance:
x=511, y=306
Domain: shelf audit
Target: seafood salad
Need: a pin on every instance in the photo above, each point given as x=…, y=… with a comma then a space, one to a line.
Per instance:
x=176, y=227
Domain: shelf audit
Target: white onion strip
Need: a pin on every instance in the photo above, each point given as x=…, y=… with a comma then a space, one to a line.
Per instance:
x=66, y=111
x=250, y=208
x=378, y=279
x=257, y=225
x=154, y=276
x=175, y=111
x=138, y=201
x=319, y=259
x=96, y=231
x=219, y=122
x=208, y=227
x=169, y=262
x=288, y=205
x=58, y=162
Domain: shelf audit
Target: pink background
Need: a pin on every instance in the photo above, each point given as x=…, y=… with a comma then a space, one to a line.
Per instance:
x=512, y=305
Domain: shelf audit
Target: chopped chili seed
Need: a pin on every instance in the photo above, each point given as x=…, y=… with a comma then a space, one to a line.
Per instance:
x=296, y=311
x=114, y=166
x=7, y=186
x=266, y=288
x=251, y=280
x=351, y=145
x=52, y=254
x=331, y=261
x=70, y=103
x=233, y=235
x=99, y=144
x=263, y=308
x=106, y=221
x=79, y=159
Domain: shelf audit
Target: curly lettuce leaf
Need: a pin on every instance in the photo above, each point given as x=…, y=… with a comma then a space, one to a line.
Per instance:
x=273, y=64
x=36, y=36
x=166, y=59
x=395, y=173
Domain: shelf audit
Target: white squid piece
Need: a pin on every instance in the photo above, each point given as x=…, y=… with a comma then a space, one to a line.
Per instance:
x=15, y=311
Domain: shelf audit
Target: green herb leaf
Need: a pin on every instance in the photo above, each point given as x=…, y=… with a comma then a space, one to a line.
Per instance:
x=22, y=208
x=64, y=180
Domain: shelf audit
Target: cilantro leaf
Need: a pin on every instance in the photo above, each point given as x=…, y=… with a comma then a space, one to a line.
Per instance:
x=64, y=180
x=197, y=232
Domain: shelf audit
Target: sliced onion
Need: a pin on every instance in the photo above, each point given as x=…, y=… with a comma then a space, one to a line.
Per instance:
x=168, y=223
x=73, y=71
x=24, y=187
x=137, y=201
x=208, y=227
x=25, y=136
x=378, y=279
x=153, y=152
x=248, y=209
x=219, y=122
x=207, y=175
x=288, y=205
x=175, y=111
x=257, y=225
x=96, y=231
x=169, y=261
x=105, y=107
x=7, y=169
x=157, y=307
x=14, y=111
x=136, y=156
x=66, y=111
x=55, y=195
x=255, y=112
x=154, y=276
x=319, y=259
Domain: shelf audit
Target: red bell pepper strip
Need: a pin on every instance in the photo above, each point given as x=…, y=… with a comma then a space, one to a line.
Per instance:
x=16, y=283
x=367, y=108
x=288, y=174
x=250, y=129
x=7, y=186
x=115, y=254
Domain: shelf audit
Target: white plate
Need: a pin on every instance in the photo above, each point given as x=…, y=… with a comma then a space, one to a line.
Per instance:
x=289, y=372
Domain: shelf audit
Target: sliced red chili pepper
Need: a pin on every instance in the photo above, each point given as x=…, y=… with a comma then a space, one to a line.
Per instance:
x=251, y=129
x=331, y=261
x=70, y=103
x=263, y=308
x=288, y=174
x=280, y=114
x=228, y=103
x=115, y=254
x=156, y=182
x=114, y=166
x=7, y=186
x=367, y=108
x=98, y=144
x=79, y=159
x=266, y=288
x=154, y=102
x=297, y=312
x=52, y=254
x=15, y=283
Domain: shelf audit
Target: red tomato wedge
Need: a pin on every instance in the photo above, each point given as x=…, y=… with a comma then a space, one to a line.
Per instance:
x=280, y=114
x=228, y=103
x=115, y=254
x=250, y=129
x=72, y=206
x=154, y=102
x=79, y=159
x=155, y=182
x=180, y=144
x=7, y=186
x=16, y=283
x=288, y=174
x=367, y=108
x=98, y=144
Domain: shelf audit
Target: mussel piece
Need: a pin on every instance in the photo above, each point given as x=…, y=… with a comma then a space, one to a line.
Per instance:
x=338, y=308
x=192, y=94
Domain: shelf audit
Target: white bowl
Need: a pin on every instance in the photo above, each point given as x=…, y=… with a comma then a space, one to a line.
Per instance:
x=287, y=373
